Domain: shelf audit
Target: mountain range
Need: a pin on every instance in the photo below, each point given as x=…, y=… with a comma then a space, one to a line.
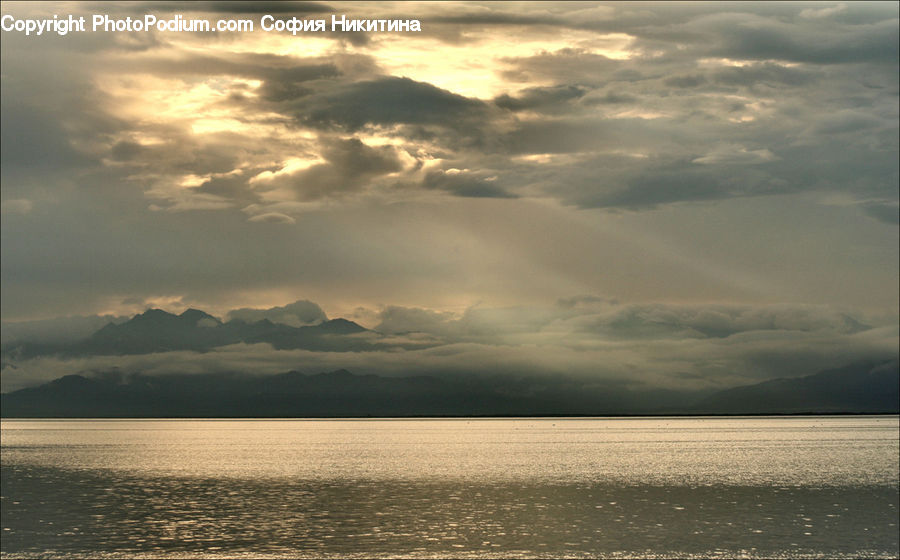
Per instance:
x=858, y=388
x=864, y=387
x=156, y=330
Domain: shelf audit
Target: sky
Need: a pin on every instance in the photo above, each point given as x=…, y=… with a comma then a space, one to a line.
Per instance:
x=677, y=195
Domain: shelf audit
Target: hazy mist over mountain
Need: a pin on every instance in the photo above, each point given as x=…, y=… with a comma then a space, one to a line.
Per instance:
x=162, y=364
x=567, y=206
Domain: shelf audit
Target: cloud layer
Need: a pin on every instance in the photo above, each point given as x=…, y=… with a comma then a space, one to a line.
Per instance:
x=727, y=171
x=586, y=340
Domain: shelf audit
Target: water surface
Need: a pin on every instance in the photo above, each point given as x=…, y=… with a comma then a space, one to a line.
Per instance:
x=635, y=487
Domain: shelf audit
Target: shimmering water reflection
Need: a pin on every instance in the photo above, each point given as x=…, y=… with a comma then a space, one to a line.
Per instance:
x=786, y=487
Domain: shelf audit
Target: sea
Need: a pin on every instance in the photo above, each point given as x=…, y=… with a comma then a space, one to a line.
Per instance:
x=655, y=487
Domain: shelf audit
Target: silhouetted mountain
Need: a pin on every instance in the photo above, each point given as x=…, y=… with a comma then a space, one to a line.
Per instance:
x=337, y=326
x=864, y=387
x=855, y=388
x=156, y=330
x=293, y=394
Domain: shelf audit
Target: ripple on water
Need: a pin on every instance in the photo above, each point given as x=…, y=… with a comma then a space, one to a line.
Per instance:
x=387, y=489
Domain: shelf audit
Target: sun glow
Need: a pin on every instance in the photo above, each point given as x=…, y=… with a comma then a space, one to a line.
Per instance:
x=476, y=69
x=202, y=107
x=289, y=167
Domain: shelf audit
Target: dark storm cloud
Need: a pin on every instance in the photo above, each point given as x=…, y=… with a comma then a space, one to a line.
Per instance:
x=354, y=158
x=288, y=84
x=386, y=101
x=776, y=147
x=860, y=31
x=748, y=37
x=689, y=102
x=887, y=212
x=539, y=98
x=229, y=187
x=349, y=164
x=465, y=184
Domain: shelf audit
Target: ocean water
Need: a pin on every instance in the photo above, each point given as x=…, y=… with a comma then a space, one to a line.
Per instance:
x=788, y=487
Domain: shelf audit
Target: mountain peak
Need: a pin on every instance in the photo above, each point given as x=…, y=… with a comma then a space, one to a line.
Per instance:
x=340, y=326
x=71, y=382
x=195, y=316
x=152, y=317
x=153, y=312
x=156, y=330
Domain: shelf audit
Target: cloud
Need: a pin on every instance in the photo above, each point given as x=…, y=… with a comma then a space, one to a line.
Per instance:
x=846, y=121
x=465, y=183
x=297, y=314
x=676, y=152
x=348, y=165
x=765, y=73
x=608, y=97
x=688, y=81
x=401, y=320
x=757, y=37
x=887, y=212
x=52, y=331
x=663, y=321
x=386, y=101
x=589, y=101
x=597, y=320
x=540, y=98
x=564, y=66
x=735, y=155
x=663, y=182
x=273, y=218
x=814, y=13
x=639, y=346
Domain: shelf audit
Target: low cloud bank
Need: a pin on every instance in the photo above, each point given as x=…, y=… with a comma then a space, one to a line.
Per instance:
x=591, y=340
